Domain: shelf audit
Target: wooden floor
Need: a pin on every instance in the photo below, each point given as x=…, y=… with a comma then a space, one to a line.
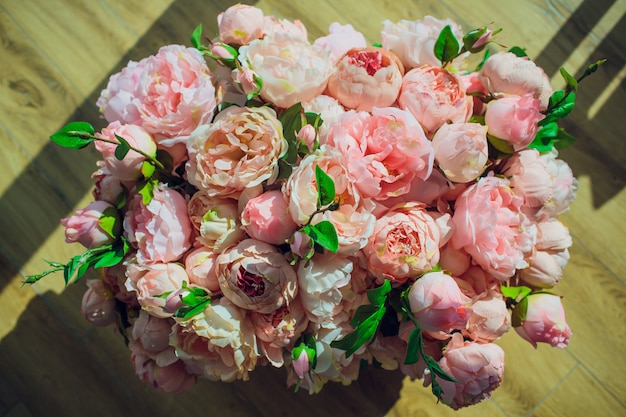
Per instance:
x=55, y=57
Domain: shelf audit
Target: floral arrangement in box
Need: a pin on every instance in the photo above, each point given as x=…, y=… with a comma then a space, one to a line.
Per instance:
x=267, y=200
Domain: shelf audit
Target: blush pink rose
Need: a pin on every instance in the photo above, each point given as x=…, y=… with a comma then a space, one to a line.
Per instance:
x=477, y=367
x=506, y=73
x=385, y=150
x=340, y=39
x=365, y=78
x=161, y=230
x=414, y=41
x=151, y=282
x=129, y=168
x=490, y=318
x=405, y=243
x=490, y=226
x=106, y=186
x=514, y=119
x=292, y=69
x=529, y=177
x=84, y=225
x=435, y=96
x=564, y=186
x=254, y=275
x=240, y=24
x=239, y=150
x=98, y=304
x=438, y=304
x=216, y=219
x=168, y=94
x=200, y=267
x=461, y=150
x=267, y=218
x=545, y=321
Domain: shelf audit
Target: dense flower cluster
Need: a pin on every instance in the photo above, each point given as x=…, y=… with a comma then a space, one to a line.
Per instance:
x=438, y=191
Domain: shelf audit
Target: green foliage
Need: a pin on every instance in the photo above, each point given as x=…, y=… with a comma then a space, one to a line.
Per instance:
x=323, y=234
x=110, y=222
x=74, y=135
x=122, y=149
x=195, y=300
x=325, y=187
x=447, y=46
x=518, y=51
x=560, y=105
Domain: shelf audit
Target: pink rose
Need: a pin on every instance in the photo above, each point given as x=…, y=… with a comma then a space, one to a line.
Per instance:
x=461, y=150
x=545, y=321
x=292, y=69
x=490, y=226
x=564, y=186
x=151, y=282
x=353, y=220
x=473, y=84
x=529, y=178
x=477, y=367
x=514, y=119
x=240, y=24
x=340, y=39
x=253, y=275
x=267, y=218
x=414, y=41
x=434, y=96
x=168, y=94
x=129, y=168
x=506, y=73
x=365, y=78
x=438, y=304
x=84, y=225
x=405, y=243
x=239, y=150
x=152, y=332
x=106, y=186
x=114, y=278
x=490, y=318
x=385, y=150
x=216, y=219
x=161, y=230
x=98, y=304
x=200, y=267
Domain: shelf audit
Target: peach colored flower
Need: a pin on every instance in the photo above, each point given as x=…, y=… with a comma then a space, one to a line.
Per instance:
x=529, y=178
x=514, y=119
x=461, y=150
x=151, y=282
x=490, y=226
x=161, y=230
x=266, y=218
x=477, y=367
x=168, y=94
x=564, y=186
x=340, y=39
x=277, y=27
x=405, y=243
x=329, y=110
x=84, y=226
x=545, y=321
x=385, y=150
x=434, y=96
x=240, y=24
x=253, y=275
x=490, y=318
x=365, y=78
x=98, y=304
x=216, y=219
x=239, y=150
x=200, y=268
x=292, y=69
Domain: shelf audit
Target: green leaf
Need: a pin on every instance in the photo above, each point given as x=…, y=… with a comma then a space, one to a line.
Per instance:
x=518, y=51
x=363, y=333
x=378, y=296
x=485, y=58
x=324, y=234
x=515, y=293
x=191, y=311
x=122, y=149
x=325, y=187
x=108, y=259
x=561, y=104
x=447, y=46
x=110, y=222
x=146, y=190
x=500, y=144
x=570, y=81
x=543, y=141
x=147, y=169
x=362, y=313
x=413, y=347
x=518, y=315
x=563, y=139
x=196, y=37
x=74, y=135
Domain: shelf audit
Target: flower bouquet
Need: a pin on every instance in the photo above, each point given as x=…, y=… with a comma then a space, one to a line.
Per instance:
x=266, y=200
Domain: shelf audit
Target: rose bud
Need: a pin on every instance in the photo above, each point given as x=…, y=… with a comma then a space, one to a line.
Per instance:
x=514, y=119
x=86, y=228
x=240, y=24
x=544, y=321
x=267, y=218
x=461, y=150
x=98, y=305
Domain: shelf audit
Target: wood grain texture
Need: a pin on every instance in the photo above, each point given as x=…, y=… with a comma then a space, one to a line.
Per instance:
x=52, y=362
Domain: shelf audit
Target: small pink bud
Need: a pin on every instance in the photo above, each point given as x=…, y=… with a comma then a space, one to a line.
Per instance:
x=301, y=364
x=308, y=135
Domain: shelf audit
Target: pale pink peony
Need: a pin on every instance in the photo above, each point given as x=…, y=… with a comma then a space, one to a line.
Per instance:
x=473, y=84
x=514, y=119
x=253, y=275
x=506, y=73
x=461, y=150
x=438, y=304
x=477, y=367
x=98, y=304
x=240, y=24
x=455, y=261
x=200, y=268
x=329, y=110
x=216, y=219
x=129, y=168
x=435, y=96
x=239, y=150
x=528, y=174
x=365, y=78
x=353, y=220
x=152, y=332
x=405, y=243
x=277, y=27
x=168, y=94
x=218, y=343
x=114, y=278
x=292, y=69
x=84, y=225
x=545, y=321
x=385, y=150
x=414, y=41
x=161, y=230
x=267, y=218
x=564, y=186
x=490, y=318
x=490, y=226
x=106, y=186
x=340, y=39
x=152, y=282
